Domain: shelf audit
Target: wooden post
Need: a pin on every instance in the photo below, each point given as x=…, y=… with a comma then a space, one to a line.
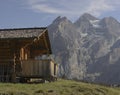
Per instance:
x=13, y=51
x=14, y=73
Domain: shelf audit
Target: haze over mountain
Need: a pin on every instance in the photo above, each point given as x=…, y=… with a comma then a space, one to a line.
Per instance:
x=88, y=49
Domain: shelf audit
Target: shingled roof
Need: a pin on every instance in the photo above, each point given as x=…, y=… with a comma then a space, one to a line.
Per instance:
x=21, y=32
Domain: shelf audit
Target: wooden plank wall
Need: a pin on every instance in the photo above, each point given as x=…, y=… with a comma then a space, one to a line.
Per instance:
x=36, y=68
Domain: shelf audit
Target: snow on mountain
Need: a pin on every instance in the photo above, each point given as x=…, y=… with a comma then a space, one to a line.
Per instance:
x=95, y=23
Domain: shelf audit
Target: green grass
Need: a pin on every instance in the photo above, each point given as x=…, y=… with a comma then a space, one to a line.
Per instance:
x=61, y=87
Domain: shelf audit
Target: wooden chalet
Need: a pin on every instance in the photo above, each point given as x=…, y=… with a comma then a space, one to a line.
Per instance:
x=21, y=52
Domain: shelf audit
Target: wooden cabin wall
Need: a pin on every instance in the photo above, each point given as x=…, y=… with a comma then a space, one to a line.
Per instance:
x=11, y=53
x=6, y=60
x=36, y=68
x=5, y=52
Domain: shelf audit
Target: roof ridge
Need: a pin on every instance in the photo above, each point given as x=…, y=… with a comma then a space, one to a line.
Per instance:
x=7, y=29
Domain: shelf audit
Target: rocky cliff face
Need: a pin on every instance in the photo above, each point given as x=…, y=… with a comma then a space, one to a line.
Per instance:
x=88, y=49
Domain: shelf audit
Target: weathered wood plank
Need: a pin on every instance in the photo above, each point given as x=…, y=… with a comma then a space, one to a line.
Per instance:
x=38, y=68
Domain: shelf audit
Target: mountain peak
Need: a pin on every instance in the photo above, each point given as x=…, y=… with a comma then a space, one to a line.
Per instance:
x=60, y=19
x=85, y=19
x=88, y=17
x=109, y=19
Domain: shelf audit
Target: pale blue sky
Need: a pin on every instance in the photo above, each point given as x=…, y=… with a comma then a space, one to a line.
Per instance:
x=40, y=13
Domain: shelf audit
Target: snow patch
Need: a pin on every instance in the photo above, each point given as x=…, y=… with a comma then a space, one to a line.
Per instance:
x=83, y=34
x=95, y=23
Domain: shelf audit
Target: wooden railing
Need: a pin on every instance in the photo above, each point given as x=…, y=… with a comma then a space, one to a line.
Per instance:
x=27, y=68
x=38, y=68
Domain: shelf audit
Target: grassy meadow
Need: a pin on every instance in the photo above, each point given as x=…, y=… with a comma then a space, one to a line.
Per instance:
x=60, y=87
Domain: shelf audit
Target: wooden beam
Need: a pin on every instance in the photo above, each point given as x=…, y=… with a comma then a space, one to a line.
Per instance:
x=46, y=44
x=39, y=52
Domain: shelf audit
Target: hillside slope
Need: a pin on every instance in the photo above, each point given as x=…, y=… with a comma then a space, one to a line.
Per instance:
x=61, y=87
x=88, y=49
